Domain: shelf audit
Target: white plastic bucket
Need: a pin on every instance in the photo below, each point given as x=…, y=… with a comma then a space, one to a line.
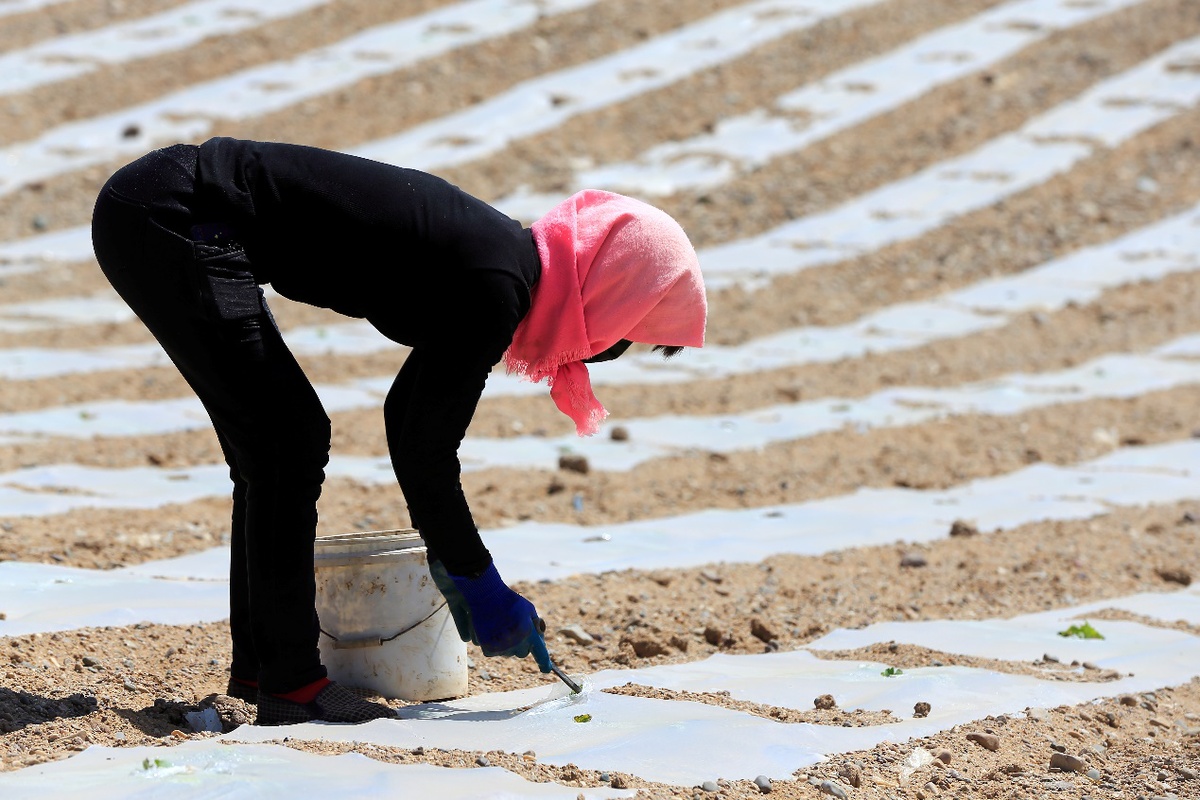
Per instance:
x=384, y=624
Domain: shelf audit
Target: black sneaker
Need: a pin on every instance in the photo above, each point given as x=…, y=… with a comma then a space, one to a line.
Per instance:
x=242, y=691
x=334, y=703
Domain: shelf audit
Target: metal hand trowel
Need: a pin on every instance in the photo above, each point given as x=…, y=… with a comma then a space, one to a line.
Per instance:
x=575, y=687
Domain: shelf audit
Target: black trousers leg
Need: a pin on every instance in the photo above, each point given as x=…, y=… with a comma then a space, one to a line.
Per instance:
x=202, y=304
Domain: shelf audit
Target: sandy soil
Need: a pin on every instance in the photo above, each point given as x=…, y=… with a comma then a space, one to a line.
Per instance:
x=129, y=686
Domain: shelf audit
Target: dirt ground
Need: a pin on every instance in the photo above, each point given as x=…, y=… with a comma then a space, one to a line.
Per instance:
x=128, y=686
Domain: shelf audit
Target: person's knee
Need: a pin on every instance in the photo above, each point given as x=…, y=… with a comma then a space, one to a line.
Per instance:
x=305, y=450
x=296, y=455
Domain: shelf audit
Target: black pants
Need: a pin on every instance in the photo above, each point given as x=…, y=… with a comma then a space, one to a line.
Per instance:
x=191, y=283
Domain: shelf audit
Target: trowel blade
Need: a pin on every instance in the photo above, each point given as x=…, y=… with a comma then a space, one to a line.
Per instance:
x=575, y=687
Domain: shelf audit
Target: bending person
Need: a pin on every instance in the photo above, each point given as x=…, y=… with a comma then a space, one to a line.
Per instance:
x=188, y=236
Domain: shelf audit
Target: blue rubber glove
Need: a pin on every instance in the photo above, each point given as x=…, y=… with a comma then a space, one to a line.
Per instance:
x=458, y=604
x=502, y=622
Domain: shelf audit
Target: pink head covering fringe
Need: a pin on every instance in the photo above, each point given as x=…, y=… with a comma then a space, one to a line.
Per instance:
x=612, y=268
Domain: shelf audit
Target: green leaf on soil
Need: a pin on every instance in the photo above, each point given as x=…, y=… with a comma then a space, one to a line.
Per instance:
x=584, y=718
x=892, y=672
x=1084, y=631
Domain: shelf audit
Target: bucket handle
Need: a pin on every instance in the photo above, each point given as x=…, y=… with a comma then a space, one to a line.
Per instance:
x=376, y=641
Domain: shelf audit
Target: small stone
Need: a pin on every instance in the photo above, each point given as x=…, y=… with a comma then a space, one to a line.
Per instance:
x=913, y=560
x=574, y=463
x=88, y=661
x=605, y=777
x=483, y=761
x=577, y=634
x=619, y=433
x=1058, y=748
x=484, y=675
x=713, y=635
x=825, y=702
x=131, y=686
x=988, y=741
x=619, y=782
x=943, y=755
x=709, y=786
x=922, y=709
x=763, y=783
x=962, y=528
x=1094, y=774
x=1187, y=773
x=834, y=789
x=1067, y=762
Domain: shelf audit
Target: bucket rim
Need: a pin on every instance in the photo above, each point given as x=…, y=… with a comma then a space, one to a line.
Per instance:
x=380, y=541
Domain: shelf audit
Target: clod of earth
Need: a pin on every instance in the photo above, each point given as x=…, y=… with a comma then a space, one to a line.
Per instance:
x=760, y=631
x=1175, y=575
x=825, y=702
x=574, y=463
x=961, y=528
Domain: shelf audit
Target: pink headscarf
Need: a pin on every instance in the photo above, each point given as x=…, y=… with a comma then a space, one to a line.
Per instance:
x=612, y=268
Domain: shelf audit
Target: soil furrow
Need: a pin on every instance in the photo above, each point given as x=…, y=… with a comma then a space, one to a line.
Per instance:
x=949, y=120
x=427, y=90
x=131, y=83
x=1125, y=319
x=935, y=455
x=678, y=615
x=75, y=16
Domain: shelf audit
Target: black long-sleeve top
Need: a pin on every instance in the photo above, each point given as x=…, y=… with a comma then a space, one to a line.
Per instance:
x=427, y=264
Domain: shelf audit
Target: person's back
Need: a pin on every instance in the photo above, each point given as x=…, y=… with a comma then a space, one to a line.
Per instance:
x=403, y=248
